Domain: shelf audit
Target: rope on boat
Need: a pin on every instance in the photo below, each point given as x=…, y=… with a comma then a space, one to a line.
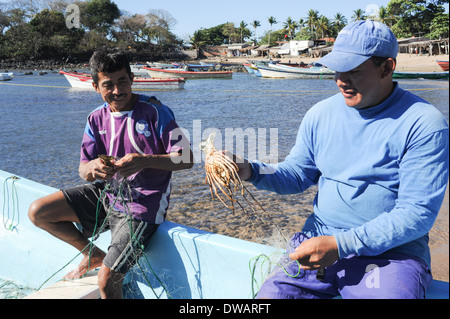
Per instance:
x=9, y=222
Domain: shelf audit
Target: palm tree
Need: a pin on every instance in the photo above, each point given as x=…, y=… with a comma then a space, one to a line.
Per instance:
x=383, y=15
x=301, y=24
x=256, y=24
x=197, y=40
x=272, y=21
x=290, y=26
x=339, y=22
x=313, y=16
x=358, y=15
x=242, y=26
x=323, y=25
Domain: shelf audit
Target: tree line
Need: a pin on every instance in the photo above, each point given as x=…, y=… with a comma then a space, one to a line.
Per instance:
x=407, y=18
x=45, y=29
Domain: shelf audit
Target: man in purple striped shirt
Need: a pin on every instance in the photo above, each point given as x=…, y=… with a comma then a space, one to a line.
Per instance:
x=131, y=145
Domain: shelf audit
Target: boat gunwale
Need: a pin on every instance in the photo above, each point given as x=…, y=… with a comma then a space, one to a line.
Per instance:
x=136, y=80
x=186, y=72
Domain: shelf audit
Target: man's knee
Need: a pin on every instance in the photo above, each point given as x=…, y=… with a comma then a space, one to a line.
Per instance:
x=36, y=212
x=51, y=209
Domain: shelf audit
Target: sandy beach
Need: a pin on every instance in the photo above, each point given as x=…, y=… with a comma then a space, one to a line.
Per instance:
x=439, y=235
x=439, y=243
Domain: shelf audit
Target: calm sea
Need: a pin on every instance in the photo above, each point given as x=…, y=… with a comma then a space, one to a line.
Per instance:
x=42, y=122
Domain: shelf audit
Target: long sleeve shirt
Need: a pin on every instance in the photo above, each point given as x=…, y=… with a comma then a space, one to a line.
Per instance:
x=381, y=173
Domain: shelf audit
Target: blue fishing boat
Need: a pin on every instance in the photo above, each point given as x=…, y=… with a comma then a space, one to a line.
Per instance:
x=179, y=262
x=248, y=68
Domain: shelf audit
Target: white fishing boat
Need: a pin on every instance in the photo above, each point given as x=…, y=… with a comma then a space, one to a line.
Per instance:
x=180, y=73
x=138, y=70
x=6, y=76
x=84, y=81
x=287, y=72
x=160, y=65
x=180, y=262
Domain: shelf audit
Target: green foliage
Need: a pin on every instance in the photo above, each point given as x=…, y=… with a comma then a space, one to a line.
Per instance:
x=27, y=31
x=439, y=26
x=418, y=18
x=220, y=34
x=99, y=15
x=25, y=34
x=426, y=18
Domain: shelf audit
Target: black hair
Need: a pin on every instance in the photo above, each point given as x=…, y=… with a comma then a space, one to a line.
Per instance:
x=108, y=61
x=378, y=60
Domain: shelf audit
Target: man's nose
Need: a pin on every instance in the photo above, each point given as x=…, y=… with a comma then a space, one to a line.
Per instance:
x=116, y=89
x=341, y=77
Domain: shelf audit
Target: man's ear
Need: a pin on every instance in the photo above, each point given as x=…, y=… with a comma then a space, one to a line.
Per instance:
x=96, y=88
x=388, y=67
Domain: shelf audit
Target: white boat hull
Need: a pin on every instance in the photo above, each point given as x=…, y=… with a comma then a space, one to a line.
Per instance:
x=6, y=76
x=85, y=82
x=273, y=71
x=177, y=73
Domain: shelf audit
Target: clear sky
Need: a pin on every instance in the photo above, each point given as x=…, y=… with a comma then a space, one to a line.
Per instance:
x=192, y=15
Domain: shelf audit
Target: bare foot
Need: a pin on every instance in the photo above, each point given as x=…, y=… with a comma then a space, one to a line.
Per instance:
x=87, y=263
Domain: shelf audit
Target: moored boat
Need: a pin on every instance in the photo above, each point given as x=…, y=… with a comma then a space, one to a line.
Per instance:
x=160, y=65
x=179, y=262
x=179, y=73
x=201, y=66
x=6, y=76
x=281, y=71
x=420, y=75
x=138, y=70
x=84, y=81
x=248, y=68
x=443, y=65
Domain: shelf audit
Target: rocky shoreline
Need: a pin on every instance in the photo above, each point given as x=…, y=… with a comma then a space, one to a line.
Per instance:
x=47, y=65
x=54, y=66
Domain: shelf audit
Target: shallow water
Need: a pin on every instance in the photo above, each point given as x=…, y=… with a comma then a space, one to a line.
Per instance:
x=43, y=119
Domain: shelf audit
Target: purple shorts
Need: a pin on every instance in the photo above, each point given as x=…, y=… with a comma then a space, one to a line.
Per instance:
x=386, y=276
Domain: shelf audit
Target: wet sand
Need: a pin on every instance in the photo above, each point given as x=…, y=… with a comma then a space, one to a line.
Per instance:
x=439, y=239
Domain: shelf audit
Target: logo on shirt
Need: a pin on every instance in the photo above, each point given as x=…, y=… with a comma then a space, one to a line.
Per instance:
x=142, y=128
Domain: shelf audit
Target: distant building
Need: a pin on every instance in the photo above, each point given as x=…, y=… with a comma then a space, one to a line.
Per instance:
x=295, y=48
x=423, y=46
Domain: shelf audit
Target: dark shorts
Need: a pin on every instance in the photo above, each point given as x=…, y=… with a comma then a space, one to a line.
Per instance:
x=387, y=276
x=129, y=236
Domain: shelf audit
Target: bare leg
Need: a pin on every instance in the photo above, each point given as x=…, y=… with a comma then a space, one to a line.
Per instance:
x=110, y=283
x=53, y=214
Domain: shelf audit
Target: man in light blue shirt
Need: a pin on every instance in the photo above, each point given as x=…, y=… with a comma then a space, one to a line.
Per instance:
x=379, y=155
